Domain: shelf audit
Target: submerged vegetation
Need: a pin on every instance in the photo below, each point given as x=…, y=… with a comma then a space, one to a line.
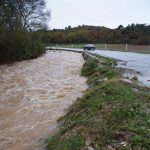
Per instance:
x=112, y=114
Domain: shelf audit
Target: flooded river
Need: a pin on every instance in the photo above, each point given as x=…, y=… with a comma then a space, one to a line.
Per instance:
x=34, y=94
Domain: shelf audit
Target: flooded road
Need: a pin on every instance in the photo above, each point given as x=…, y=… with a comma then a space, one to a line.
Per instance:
x=136, y=61
x=34, y=94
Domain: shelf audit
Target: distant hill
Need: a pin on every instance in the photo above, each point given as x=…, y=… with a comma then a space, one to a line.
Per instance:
x=132, y=34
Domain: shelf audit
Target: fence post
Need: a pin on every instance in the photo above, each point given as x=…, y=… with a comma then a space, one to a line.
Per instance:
x=72, y=45
x=56, y=45
x=105, y=46
x=126, y=47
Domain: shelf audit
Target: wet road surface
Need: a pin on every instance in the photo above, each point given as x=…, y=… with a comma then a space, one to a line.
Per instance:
x=136, y=61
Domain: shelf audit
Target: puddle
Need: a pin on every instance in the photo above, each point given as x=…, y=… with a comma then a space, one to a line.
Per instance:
x=34, y=94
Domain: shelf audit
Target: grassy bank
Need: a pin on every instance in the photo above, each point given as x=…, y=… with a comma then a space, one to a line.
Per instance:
x=112, y=114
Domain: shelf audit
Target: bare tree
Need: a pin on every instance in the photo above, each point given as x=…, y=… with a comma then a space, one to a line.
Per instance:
x=25, y=14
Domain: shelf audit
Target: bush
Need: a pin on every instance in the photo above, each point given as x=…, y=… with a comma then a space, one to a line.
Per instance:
x=89, y=67
x=19, y=45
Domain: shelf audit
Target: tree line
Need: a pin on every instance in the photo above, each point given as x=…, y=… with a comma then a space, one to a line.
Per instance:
x=24, y=33
x=132, y=34
x=19, y=21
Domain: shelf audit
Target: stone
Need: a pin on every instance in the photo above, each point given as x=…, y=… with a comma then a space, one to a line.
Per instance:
x=126, y=80
x=134, y=78
x=102, y=80
x=109, y=147
x=135, y=90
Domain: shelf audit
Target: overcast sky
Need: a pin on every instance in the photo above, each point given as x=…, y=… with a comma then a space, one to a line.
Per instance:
x=109, y=13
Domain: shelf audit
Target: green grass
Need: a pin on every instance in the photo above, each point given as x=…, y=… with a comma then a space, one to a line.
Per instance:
x=110, y=113
x=73, y=143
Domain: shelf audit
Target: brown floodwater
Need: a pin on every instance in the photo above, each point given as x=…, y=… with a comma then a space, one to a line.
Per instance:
x=34, y=94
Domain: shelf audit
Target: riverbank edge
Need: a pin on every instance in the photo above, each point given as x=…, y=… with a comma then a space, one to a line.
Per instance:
x=24, y=57
x=112, y=114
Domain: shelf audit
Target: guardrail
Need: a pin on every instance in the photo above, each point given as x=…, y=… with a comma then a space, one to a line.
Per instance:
x=85, y=54
x=65, y=49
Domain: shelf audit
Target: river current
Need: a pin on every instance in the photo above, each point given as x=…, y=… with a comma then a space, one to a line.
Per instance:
x=34, y=94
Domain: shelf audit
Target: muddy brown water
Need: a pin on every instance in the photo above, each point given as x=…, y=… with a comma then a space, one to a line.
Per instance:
x=34, y=94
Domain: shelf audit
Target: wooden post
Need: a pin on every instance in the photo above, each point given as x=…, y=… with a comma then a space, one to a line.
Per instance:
x=56, y=45
x=126, y=47
x=105, y=46
x=72, y=45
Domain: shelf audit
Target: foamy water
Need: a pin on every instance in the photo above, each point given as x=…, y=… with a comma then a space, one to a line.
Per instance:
x=34, y=94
